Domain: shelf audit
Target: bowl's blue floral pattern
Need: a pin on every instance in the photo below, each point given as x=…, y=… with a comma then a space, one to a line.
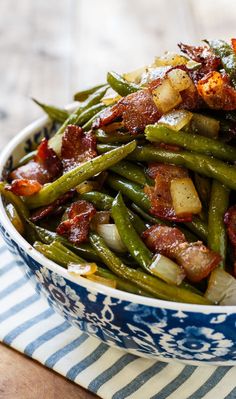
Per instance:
x=140, y=329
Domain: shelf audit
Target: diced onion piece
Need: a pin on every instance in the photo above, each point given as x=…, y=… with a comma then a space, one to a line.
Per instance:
x=102, y=280
x=184, y=196
x=176, y=120
x=86, y=187
x=153, y=74
x=221, y=288
x=82, y=269
x=55, y=143
x=191, y=64
x=111, y=236
x=170, y=58
x=135, y=76
x=15, y=218
x=167, y=270
x=179, y=79
x=205, y=126
x=165, y=96
x=101, y=217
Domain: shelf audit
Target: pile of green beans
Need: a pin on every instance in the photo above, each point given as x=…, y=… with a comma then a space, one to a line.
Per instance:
x=124, y=159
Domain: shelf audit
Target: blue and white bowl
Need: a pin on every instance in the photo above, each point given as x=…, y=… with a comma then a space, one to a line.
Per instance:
x=193, y=334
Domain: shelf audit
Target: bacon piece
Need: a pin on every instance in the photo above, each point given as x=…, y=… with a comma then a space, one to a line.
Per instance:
x=54, y=208
x=233, y=42
x=77, y=147
x=137, y=110
x=24, y=187
x=44, y=168
x=163, y=239
x=76, y=227
x=204, y=55
x=196, y=259
x=159, y=195
x=216, y=91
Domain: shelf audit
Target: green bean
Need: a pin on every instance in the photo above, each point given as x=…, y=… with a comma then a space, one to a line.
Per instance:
x=54, y=113
x=227, y=56
x=47, y=237
x=203, y=164
x=203, y=186
x=15, y=219
x=88, y=125
x=204, y=125
x=193, y=142
x=101, y=201
x=84, y=94
x=135, y=193
x=89, y=113
x=217, y=237
x=121, y=284
x=120, y=85
x=131, y=171
x=22, y=210
x=152, y=285
x=132, y=190
x=116, y=137
x=128, y=235
x=71, y=179
x=58, y=253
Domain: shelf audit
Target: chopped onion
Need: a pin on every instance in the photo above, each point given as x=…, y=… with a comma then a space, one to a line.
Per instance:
x=171, y=59
x=101, y=217
x=153, y=74
x=82, y=269
x=167, y=270
x=180, y=79
x=165, y=96
x=111, y=236
x=102, y=280
x=191, y=64
x=176, y=120
x=184, y=196
x=112, y=127
x=221, y=288
x=135, y=76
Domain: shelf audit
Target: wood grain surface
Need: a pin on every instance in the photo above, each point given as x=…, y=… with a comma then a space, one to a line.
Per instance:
x=51, y=48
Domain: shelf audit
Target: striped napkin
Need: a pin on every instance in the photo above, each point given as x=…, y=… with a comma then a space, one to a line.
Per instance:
x=30, y=326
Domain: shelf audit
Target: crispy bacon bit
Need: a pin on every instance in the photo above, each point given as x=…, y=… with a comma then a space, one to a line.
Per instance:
x=45, y=167
x=204, y=55
x=163, y=239
x=24, y=187
x=216, y=91
x=159, y=195
x=137, y=110
x=76, y=227
x=54, y=208
x=196, y=259
x=233, y=42
x=77, y=147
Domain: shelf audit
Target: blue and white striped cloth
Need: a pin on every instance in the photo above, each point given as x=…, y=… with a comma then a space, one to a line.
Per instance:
x=30, y=326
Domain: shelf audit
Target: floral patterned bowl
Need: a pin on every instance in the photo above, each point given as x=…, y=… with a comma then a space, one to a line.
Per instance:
x=144, y=326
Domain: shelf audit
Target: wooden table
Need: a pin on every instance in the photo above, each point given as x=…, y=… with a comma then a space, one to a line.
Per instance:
x=50, y=49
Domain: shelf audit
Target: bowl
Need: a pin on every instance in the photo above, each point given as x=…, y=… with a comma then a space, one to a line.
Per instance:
x=193, y=334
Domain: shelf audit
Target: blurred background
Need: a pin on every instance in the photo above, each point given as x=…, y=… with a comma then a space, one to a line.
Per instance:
x=51, y=48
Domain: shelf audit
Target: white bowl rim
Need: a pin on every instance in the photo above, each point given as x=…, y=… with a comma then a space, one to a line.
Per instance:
x=91, y=286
